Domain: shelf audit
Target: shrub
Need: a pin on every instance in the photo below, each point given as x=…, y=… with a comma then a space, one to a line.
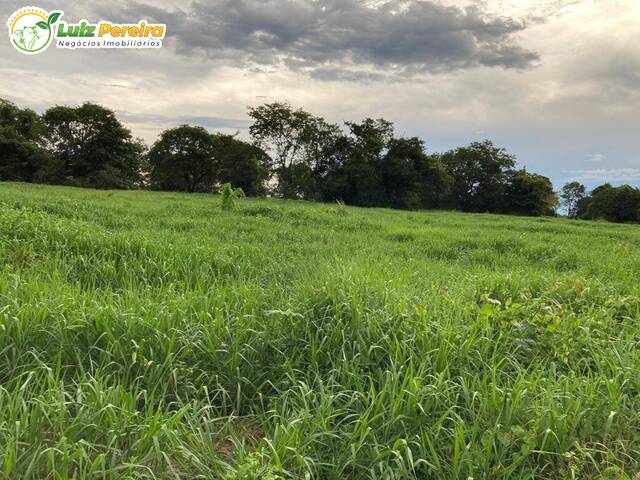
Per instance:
x=229, y=196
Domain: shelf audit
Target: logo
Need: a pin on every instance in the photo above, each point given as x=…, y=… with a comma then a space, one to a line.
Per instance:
x=31, y=29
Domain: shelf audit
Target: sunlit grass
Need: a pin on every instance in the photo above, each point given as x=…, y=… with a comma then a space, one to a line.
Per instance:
x=154, y=335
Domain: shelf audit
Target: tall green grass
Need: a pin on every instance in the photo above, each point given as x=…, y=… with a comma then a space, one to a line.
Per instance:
x=151, y=335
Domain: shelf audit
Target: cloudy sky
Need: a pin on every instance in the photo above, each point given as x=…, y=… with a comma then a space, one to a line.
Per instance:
x=556, y=82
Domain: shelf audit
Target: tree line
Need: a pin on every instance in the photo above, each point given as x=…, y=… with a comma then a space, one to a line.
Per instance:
x=292, y=154
x=615, y=204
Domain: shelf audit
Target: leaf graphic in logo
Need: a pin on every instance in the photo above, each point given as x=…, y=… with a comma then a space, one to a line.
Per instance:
x=53, y=18
x=43, y=25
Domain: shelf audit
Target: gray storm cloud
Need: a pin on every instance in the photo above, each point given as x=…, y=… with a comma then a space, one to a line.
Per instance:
x=344, y=39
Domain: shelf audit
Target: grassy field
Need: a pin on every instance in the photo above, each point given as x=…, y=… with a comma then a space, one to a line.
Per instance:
x=153, y=335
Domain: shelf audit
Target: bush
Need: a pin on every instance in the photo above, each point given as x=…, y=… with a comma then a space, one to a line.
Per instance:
x=229, y=196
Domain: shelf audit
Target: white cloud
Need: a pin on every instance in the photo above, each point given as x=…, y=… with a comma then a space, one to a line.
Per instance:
x=596, y=158
x=606, y=174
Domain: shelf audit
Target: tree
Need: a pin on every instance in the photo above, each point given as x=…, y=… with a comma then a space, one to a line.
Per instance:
x=370, y=167
x=330, y=175
x=582, y=208
x=530, y=194
x=190, y=159
x=22, y=156
x=480, y=174
x=291, y=137
x=184, y=159
x=410, y=178
x=241, y=164
x=616, y=204
x=572, y=193
x=92, y=148
x=298, y=181
x=367, y=144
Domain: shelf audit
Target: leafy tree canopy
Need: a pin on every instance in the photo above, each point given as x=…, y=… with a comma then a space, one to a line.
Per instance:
x=616, y=204
x=241, y=164
x=92, y=148
x=530, y=194
x=190, y=159
x=22, y=156
x=184, y=159
x=571, y=195
x=292, y=137
x=480, y=173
